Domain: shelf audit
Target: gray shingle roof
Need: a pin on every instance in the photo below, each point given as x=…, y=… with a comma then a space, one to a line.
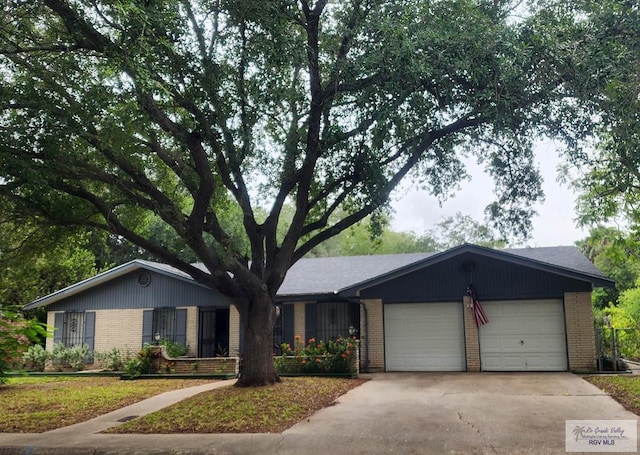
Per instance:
x=329, y=275
x=332, y=275
x=568, y=257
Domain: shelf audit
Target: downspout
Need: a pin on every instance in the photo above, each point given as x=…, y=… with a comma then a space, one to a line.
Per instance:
x=366, y=340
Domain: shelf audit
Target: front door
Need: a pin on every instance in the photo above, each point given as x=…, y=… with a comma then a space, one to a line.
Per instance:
x=213, y=338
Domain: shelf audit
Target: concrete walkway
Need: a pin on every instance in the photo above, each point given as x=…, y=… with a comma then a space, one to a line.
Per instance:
x=139, y=409
x=521, y=413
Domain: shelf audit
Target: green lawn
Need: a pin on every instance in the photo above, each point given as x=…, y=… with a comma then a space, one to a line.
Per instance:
x=625, y=389
x=270, y=409
x=38, y=404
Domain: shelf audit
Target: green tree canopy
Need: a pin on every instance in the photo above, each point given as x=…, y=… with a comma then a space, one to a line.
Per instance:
x=36, y=261
x=115, y=110
x=617, y=255
x=609, y=181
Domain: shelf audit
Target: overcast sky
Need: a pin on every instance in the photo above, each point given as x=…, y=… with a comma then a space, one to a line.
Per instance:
x=554, y=225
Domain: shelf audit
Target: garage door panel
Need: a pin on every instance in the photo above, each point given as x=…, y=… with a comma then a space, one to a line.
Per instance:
x=523, y=336
x=424, y=337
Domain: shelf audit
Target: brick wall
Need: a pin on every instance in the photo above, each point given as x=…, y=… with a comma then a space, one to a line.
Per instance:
x=234, y=331
x=373, y=335
x=164, y=364
x=121, y=329
x=50, y=321
x=471, y=337
x=581, y=344
x=192, y=330
x=118, y=328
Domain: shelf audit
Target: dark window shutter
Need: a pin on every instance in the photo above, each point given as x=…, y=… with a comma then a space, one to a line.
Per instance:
x=310, y=321
x=287, y=324
x=147, y=327
x=58, y=324
x=181, y=327
x=90, y=331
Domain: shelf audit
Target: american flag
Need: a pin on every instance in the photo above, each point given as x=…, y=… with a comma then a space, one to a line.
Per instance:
x=478, y=312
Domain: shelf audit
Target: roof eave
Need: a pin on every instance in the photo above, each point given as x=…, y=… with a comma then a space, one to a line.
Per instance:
x=596, y=281
x=102, y=278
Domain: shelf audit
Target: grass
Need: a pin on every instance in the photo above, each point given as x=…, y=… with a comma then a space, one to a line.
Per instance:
x=624, y=389
x=270, y=409
x=39, y=404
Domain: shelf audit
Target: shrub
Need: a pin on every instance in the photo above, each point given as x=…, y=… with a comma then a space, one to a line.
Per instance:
x=16, y=335
x=142, y=363
x=69, y=357
x=175, y=349
x=335, y=356
x=77, y=357
x=110, y=360
x=35, y=358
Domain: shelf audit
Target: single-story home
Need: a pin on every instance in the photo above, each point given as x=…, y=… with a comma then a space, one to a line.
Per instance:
x=411, y=312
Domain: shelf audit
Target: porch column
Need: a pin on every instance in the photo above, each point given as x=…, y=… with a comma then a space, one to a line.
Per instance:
x=471, y=336
x=234, y=331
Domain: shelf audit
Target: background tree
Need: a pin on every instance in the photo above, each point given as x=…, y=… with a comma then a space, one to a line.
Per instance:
x=617, y=254
x=36, y=260
x=113, y=112
x=609, y=87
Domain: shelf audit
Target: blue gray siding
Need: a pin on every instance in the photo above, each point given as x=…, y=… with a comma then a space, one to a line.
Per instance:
x=492, y=279
x=126, y=293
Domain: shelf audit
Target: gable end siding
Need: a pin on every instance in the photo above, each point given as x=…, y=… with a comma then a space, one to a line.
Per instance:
x=492, y=279
x=126, y=293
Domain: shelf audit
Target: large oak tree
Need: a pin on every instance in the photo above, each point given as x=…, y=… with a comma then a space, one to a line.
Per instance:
x=188, y=110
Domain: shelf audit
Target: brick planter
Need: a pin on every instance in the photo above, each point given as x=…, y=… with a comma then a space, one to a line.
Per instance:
x=163, y=364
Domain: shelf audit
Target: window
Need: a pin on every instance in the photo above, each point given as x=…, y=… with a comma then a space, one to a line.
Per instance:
x=336, y=318
x=168, y=324
x=164, y=324
x=73, y=329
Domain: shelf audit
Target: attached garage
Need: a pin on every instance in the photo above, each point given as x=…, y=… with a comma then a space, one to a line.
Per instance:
x=526, y=335
x=424, y=337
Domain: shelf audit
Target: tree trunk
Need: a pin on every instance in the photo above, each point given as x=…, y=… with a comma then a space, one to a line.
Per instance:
x=257, y=356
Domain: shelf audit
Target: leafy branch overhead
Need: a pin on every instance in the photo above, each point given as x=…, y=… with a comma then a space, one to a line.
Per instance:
x=214, y=116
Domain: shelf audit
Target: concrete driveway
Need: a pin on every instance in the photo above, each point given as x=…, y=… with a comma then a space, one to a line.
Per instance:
x=519, y=413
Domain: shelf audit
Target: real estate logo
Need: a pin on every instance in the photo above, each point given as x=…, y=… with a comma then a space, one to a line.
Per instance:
x=601, y=436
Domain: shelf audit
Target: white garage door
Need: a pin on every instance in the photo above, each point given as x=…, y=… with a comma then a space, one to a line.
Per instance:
x=424, y=337
x=523, y=336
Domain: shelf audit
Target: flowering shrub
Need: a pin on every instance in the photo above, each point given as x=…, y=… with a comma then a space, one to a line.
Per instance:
x=334, y=356
x=16, y=335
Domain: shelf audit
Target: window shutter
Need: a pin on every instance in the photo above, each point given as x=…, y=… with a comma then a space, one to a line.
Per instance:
x=147, y=327
x=58, y=325
x=181, y=326
x=310, y=321
x=287, y=324
x=90, y=331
